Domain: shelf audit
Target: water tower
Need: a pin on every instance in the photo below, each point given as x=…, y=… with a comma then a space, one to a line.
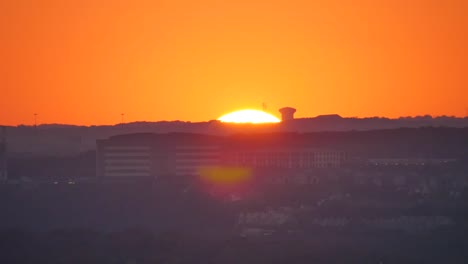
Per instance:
x=287, y=113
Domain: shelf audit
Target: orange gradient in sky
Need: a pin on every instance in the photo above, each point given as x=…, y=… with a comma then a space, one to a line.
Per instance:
x=88, y=61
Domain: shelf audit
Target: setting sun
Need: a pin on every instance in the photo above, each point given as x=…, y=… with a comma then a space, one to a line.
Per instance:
x=249, y=116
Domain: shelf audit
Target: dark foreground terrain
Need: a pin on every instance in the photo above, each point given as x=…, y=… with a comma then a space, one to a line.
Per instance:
x=135, y=245
x=54, y=210
x=142, y=223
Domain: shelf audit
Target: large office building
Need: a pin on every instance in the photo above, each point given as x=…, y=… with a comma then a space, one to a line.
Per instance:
x=190, y=158
x=183, y=155
x=156, y=155
x=288, y=157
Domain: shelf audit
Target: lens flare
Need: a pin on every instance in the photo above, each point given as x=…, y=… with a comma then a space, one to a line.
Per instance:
x=225, y=175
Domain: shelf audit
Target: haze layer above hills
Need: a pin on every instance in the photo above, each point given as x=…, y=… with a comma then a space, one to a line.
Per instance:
x=58, y=139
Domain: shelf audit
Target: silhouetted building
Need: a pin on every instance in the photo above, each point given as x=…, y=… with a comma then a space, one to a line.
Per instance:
x=181, y=155
x=155, y=155
x=287, y=113
x=288, y=157
x=189, y=158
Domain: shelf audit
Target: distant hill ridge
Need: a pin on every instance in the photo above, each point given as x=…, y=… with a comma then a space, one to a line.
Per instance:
x=62, y=139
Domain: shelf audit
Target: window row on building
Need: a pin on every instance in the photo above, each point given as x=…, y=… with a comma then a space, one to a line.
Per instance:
x=292, y=159
x=154, y=155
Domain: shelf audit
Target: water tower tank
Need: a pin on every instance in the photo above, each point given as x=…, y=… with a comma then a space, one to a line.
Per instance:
x=287, y=113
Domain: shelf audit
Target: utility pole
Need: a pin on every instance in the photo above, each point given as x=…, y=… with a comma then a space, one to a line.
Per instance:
x=122, y=118
x=35, y=119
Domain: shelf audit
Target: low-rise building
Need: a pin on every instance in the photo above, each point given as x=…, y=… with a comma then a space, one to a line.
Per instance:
x=182, y=155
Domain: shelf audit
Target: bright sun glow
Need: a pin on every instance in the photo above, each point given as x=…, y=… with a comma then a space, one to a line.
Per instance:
x=249, y=116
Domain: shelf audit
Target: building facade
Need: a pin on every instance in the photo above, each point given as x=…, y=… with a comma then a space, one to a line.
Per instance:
x=127, y=161
x=191, y=157
x=183, y=155
x=289, y=158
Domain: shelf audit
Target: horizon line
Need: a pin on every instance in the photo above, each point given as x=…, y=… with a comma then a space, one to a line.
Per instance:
x=216, y=120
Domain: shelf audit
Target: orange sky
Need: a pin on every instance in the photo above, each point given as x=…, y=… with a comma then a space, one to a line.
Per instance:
x=87, y=61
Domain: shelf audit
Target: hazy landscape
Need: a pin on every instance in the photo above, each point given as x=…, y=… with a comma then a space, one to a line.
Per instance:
x=57, y=139
x=233, y=132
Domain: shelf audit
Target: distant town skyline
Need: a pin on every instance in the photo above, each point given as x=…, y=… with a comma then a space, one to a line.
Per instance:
x=88, y=62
